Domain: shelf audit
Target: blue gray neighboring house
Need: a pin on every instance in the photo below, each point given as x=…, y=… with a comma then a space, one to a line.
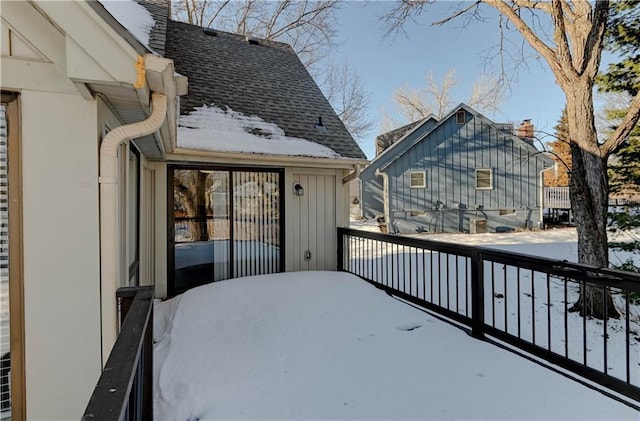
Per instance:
x=461, y=173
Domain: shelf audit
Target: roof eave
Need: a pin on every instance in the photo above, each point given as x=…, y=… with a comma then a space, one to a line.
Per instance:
x=195, y=155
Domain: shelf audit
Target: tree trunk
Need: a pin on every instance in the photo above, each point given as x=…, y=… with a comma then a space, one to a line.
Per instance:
x=589, y=194
x=195, y=203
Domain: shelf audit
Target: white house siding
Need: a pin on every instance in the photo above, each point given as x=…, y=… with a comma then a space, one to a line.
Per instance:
x=61, y=253
x=311, y=220
x=312, y=223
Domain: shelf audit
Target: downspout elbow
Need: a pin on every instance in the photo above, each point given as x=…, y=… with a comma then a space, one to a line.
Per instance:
x=119, y=135
x=352, y=176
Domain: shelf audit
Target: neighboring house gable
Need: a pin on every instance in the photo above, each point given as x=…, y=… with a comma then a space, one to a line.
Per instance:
x=399, y=141
x=472, y=169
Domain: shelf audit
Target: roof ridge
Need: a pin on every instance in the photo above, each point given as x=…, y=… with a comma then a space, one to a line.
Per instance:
x=262, y=41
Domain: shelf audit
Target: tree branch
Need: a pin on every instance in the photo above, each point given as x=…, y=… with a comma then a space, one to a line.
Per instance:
x=456, y=14
x=560, y=36
x=545, y=51
x=624, y=129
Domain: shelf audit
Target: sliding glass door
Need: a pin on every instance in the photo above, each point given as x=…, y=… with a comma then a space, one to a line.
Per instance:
x=224, y=223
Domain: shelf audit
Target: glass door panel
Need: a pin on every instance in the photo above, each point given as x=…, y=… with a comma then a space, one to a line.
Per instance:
x=226, y=225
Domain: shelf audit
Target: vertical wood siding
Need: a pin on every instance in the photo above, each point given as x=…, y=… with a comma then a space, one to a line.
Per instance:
x=315, y=213
x=372, y=185
x=450, y=154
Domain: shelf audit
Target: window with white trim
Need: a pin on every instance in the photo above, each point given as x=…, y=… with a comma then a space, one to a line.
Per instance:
x=417, y=179
x=484, y=179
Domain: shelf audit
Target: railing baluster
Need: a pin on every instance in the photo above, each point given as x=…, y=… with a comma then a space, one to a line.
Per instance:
x=548, y=312
x=533, y=308
x=493, y=296
x=604, y=327
x=446, y=256
x=506, y=299
x=424, y=277
x=584, y=321
x=518, y=312
x=566, y=322
x=439, y=278
x=457, y=286
x=431, y=270
x=626, y=328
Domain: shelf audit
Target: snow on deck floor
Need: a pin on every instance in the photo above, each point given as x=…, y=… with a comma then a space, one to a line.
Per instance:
x=326, y=345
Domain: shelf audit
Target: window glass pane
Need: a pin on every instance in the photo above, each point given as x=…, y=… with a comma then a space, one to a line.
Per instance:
x=483, y=179
x=256, y=210
x=417, y=179
x=201, y=227
x=226, y=223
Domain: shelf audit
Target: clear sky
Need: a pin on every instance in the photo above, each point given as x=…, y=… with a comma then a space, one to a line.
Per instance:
x=387, y=63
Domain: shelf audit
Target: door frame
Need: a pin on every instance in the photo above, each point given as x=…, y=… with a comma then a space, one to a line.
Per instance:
x=16, y=263
x=172, y=167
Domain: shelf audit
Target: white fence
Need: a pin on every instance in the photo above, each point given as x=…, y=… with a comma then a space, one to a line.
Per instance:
x=557, y=198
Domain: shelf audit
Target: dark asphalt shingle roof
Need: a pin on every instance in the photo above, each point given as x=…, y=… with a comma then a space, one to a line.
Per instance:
x=384, y=140
x=159, y=10
x=266, y=80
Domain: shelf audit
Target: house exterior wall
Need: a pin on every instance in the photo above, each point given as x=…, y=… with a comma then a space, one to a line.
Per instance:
x=60, y=132
x=311, y=220
x=372, y=185
x=450, y=155
x=61, y=253
x=311, y=226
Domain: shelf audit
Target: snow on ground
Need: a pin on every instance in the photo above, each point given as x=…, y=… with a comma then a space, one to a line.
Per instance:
x=211, y=128
x=133, y=16
x=326, y=345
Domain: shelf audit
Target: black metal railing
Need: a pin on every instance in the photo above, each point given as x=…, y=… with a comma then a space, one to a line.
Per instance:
x=125, y=388
x=521, y=300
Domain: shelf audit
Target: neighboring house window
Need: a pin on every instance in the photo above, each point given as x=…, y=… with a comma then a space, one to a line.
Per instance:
x=418, y=179
x=484, y=179
x=461, y=117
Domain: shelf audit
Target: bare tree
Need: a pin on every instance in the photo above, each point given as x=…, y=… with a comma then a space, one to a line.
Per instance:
x=437, y=98
x=308, y=26
x=569, y=36
x=345, y=90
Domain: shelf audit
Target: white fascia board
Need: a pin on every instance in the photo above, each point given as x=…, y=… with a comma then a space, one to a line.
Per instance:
x=252, y=159
x=97, y=52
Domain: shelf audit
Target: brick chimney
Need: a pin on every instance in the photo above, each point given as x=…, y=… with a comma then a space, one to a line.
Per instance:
x=525, y=131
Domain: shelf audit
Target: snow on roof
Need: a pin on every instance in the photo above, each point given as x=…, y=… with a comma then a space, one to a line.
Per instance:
x=133, y=16
x=211, y=128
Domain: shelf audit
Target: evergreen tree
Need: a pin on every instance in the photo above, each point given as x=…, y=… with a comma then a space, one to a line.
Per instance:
x=623, y=38
x=624, y=170
x=559, y=176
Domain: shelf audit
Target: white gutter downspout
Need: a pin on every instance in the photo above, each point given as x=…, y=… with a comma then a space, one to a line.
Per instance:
x=385, y=194
x=109, y=212
x=542, y=196
x=352, y=176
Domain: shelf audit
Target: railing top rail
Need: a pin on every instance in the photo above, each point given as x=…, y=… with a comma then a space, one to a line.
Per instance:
x=563, y=268
x=109, y=398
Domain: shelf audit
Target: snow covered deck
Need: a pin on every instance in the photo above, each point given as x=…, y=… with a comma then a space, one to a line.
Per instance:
x=326, y=345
